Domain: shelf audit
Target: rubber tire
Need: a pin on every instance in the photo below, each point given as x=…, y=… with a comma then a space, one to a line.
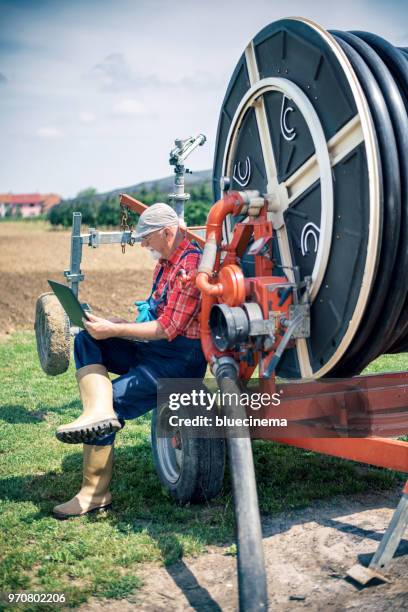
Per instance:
x=52, y=334
x=203, y=464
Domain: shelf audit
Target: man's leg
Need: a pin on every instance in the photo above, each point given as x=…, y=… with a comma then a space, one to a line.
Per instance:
x=93, y=359
x=116, y=354
x=94, y=493
x=98, y=417
x=134, y=394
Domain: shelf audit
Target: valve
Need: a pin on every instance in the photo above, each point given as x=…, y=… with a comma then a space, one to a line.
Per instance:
x=178, y=155
x=184, y=148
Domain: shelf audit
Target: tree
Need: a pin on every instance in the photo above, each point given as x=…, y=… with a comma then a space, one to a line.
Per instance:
x=109, y=212
x=87, y=193
x=98, y=212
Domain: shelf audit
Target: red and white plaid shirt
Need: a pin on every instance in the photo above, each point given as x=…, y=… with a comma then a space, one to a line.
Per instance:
x=179, y=314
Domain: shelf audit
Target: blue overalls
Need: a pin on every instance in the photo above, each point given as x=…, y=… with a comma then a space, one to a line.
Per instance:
x=139, y=365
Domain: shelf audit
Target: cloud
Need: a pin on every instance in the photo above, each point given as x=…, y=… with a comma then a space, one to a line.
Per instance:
x=115, y=73
x=3, y=79
x=129, y=106
x=112, y=72
x=95, y=61
x=86, y=117
x=202, y=80
x=49, y=133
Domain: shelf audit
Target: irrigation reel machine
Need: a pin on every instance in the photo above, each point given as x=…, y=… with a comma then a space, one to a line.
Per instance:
x=304, y=266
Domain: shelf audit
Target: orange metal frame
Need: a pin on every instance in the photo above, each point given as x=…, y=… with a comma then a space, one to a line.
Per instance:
x=385, y=396
x=380, y=400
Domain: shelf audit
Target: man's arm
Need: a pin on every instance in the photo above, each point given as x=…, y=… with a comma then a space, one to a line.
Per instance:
x=101, y=329
x=118, y=320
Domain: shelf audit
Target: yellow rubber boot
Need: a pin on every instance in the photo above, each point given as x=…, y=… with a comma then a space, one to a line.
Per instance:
x=98, y=418
x=94, y=494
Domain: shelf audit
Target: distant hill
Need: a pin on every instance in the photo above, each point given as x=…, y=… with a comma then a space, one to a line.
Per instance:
x=103, y=208
x=164, y=185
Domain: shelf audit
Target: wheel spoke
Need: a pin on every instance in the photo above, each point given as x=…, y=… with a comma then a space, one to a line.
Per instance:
x=271, y=172
x=287, y=263
x=340, y=145
x=262, y=121
x=346, y=139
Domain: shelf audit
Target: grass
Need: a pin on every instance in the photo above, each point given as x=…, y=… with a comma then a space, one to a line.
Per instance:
x=99, y=555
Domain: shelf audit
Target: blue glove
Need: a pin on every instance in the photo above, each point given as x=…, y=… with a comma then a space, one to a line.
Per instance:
x=144, y=312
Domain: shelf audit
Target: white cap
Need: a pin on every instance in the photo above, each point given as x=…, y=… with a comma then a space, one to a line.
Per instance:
x=154, y=218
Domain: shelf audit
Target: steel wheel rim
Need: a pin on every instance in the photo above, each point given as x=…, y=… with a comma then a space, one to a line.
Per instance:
x=171, y=459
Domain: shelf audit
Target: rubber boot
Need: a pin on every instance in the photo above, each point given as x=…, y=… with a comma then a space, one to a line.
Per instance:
x=98, y=418
x=94, y=494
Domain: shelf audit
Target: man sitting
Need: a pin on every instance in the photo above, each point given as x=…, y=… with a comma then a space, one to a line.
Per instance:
x=169, y=331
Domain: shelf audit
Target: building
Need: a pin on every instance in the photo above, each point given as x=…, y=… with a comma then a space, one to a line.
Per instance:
x=27, y=205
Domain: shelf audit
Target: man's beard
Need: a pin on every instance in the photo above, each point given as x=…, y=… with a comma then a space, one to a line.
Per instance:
x=155, y=255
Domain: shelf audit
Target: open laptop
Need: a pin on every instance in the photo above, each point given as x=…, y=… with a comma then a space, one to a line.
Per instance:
x=75, y=311
x=68, y=300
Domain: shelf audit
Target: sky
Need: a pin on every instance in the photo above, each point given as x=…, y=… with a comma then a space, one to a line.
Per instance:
x=94, y=92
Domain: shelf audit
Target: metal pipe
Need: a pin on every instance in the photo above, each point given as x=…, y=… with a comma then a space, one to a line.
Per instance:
x=232, y=203
x=74, y=275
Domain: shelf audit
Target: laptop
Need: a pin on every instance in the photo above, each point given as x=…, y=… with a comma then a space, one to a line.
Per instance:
x=68, y=300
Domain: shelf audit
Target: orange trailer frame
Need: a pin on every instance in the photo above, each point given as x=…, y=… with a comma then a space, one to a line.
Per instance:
x=382, y=399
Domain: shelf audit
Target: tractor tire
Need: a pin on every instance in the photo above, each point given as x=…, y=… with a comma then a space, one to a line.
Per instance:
x=52, y=334
x=190, y=469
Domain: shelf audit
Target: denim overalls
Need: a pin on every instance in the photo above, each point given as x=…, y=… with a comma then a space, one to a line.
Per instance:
x=139, y=365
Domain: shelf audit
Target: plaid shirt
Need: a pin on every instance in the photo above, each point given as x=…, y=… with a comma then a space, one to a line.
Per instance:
x=178, y=315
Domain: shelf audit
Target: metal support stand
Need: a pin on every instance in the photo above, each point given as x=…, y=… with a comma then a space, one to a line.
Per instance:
x=387, y=547
x=73, y=275
x=178, y=198
x=93, y=239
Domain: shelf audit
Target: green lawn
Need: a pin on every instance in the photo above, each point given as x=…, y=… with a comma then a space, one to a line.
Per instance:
x=101, y=554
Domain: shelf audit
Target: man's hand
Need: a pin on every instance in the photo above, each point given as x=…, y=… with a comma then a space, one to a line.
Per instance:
x=100, y=328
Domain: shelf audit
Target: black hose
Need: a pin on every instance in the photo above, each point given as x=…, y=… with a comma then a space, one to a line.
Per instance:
x=252, y=584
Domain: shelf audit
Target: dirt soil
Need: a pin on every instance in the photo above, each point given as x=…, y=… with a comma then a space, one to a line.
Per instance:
x=307, y=556
x=31, y=254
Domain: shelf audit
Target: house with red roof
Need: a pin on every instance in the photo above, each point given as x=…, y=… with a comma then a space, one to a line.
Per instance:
x=27, y=204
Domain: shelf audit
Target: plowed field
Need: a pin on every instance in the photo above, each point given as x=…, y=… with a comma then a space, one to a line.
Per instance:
x=31, y=253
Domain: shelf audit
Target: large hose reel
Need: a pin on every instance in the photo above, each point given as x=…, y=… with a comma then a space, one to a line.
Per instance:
x=317, y=121
x=310, y=182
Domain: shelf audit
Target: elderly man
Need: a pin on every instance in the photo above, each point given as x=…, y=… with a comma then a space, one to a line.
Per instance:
x=169, y=346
